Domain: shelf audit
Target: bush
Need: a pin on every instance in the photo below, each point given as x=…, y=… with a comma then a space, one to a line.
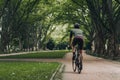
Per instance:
x=62, y=45
x=51, y=44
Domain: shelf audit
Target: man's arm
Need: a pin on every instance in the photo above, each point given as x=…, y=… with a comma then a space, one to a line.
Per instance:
x=70, y=37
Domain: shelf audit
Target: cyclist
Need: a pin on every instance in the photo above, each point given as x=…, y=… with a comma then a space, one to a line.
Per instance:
x=76, y=37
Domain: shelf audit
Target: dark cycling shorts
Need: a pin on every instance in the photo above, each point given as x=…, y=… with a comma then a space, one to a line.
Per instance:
x=79, y=41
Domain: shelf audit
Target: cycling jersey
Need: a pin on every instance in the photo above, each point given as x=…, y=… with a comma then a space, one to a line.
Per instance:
x=76, y=33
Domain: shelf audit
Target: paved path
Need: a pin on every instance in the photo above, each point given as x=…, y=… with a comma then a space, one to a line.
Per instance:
x=93, y=68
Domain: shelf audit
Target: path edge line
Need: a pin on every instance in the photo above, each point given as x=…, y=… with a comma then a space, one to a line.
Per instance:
x=59, y=69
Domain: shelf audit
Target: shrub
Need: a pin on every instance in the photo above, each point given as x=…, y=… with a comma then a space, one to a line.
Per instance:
x=51, y=44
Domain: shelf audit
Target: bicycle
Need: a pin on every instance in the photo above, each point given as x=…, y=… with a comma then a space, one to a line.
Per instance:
x=77, y=62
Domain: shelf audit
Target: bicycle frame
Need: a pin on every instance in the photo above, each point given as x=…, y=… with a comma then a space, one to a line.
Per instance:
x=77, y=63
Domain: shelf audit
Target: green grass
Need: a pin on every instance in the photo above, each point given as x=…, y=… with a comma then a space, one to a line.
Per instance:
x=49, y=55
x=27, y=70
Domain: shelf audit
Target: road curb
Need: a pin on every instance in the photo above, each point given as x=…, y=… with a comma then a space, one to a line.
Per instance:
x=59, y=69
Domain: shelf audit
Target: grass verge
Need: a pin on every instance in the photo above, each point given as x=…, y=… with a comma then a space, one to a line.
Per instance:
x=103, y=56
x=27, y=70
x=48, y=55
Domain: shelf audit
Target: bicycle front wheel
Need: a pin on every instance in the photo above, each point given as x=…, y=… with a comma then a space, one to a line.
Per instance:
x=74, y=65
x=79, y=68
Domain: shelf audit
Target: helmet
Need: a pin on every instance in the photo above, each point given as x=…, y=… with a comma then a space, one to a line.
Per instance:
x=76, y=25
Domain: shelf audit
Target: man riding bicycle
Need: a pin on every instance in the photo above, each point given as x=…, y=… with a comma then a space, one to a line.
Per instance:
x=76, y=37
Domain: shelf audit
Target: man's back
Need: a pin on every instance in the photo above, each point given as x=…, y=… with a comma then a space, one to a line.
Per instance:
x=77, y=32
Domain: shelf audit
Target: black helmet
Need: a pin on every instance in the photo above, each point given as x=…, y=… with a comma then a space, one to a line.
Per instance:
x=76, y=25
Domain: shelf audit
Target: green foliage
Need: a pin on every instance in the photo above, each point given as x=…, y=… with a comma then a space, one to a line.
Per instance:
x=30, y=22
x=27, y=70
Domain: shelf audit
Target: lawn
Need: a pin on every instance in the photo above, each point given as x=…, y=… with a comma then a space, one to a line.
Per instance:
x=48, y=55
x=27, y=70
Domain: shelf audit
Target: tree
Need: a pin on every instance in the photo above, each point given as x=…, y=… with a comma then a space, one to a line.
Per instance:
x=12, y=18
x=27, y=22
x=104, y=15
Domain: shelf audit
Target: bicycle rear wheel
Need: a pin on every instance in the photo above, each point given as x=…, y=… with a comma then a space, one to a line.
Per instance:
x=79, y=64
x=79, y=68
